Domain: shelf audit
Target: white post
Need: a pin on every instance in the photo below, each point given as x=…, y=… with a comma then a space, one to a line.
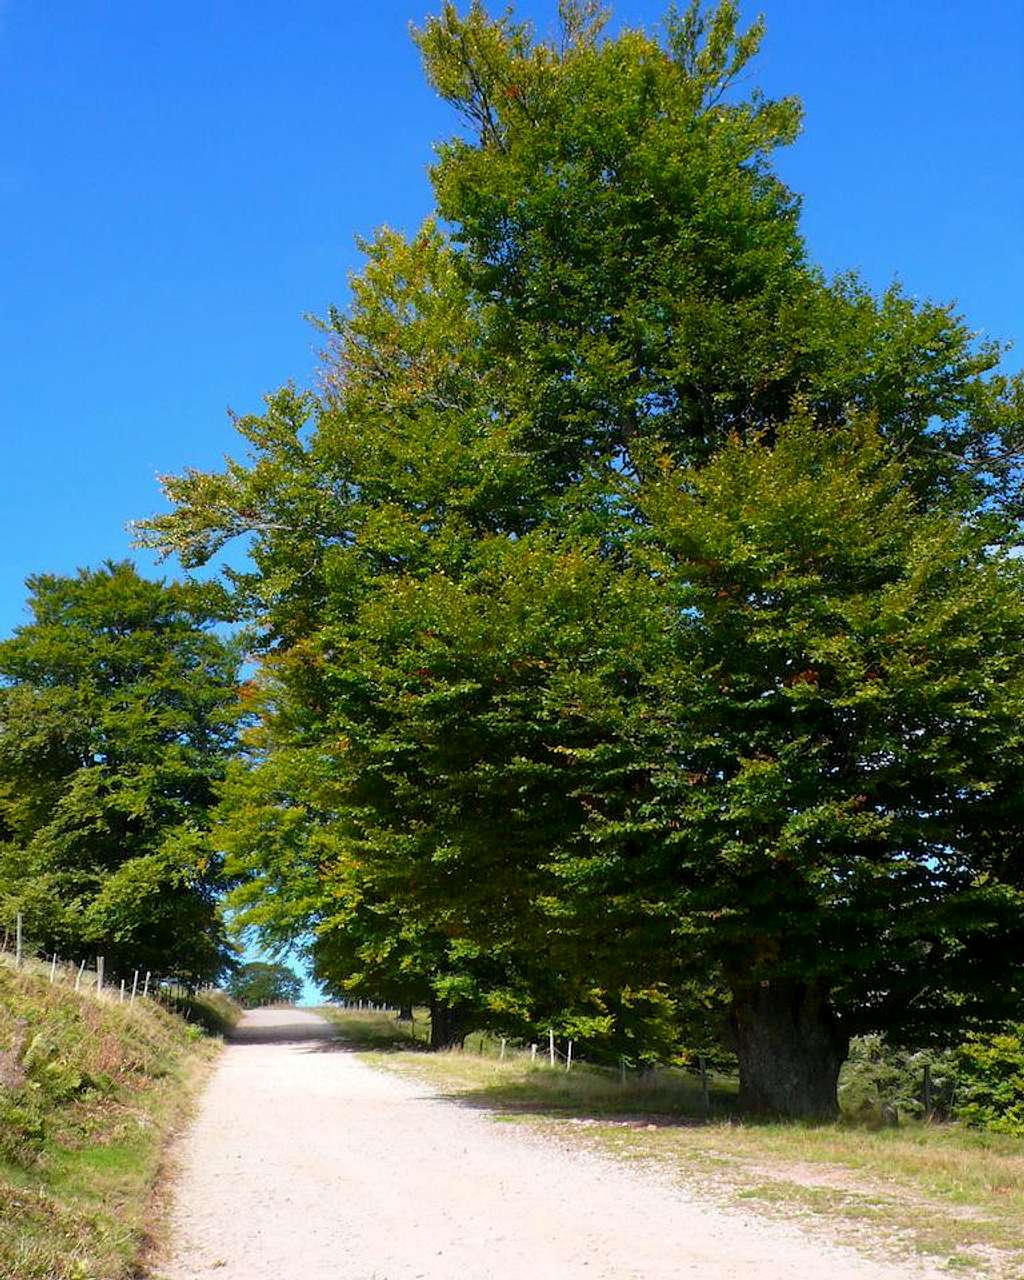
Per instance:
x=78, y=980
x=145, y=989
x=551, y=1046
x=53, y=968
x=99, y=974
x=533, y=1053
x=122, y=990
x=568, y=1058
x=502, y=1057
x=135, y=985
x=17, y=951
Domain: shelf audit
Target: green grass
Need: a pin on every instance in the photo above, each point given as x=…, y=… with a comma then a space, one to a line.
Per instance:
x=380, y=1031
x=943, y=1190
x=214, y=1011
x=89, y=1092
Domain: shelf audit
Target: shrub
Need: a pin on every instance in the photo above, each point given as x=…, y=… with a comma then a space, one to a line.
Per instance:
x=990, y=1093
x=887, y=1084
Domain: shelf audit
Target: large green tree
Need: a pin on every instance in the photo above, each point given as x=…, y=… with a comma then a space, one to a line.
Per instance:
x=118, y=712
x=635, y=598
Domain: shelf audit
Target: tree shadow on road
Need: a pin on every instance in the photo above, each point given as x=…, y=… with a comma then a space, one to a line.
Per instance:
x=281, y=1032
x=598, y=1100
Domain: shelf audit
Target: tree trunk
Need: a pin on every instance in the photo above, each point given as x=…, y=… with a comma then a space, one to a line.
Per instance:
x=447, y=1028
x=405, y=1013
x=790, y=1047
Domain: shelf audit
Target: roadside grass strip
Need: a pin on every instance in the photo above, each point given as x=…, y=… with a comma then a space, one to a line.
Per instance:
x=950, y=1193
x=90, y=1091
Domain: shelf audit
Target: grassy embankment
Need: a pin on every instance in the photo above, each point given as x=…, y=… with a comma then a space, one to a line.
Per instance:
x=945, y=1191
x=90, y=1090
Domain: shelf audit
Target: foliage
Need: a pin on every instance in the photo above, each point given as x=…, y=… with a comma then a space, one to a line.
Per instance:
x=258, y=983
x=118, y=710
x=990, y=1073
x=887, y=1085
x=980, y=1081
x=636, y=604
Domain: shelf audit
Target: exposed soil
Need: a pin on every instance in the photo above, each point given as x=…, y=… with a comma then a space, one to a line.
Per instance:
x=306, y=1164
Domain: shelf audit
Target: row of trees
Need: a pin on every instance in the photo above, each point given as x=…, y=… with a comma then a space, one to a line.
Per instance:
x=640, y=620
x=636, y=613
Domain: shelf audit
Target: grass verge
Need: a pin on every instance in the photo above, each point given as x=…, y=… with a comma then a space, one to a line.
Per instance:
x=950, y=1193
x=90, y=1090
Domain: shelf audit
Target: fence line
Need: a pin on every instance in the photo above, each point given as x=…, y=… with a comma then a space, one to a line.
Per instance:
x=75, y=975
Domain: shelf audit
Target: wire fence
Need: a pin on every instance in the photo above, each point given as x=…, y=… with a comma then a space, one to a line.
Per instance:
x=555, y=1053
x=125, y=987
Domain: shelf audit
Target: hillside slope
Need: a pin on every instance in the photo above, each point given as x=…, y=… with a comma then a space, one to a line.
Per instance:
x=89, y=1091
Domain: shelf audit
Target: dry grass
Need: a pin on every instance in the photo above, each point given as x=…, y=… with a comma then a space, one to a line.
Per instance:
x=944, y=1191
x=102, y=1085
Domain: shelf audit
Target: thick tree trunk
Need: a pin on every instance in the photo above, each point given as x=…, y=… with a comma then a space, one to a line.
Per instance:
x=447, y=1028
x=405, y=1013
x=790, y=1047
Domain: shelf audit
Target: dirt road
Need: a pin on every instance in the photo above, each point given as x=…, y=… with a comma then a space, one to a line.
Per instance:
x=305, y=1164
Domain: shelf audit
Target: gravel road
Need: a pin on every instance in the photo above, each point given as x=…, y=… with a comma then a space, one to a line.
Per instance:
x=305, y=1164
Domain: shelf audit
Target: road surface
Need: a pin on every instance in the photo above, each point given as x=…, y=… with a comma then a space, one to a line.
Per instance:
x=303, y=1163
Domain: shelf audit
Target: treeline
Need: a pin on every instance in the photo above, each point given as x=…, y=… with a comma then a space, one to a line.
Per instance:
x=637, y=609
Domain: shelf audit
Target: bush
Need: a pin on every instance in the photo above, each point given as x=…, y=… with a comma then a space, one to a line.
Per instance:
x=22, y=1128
x=990, y=1092
x=980, y=1082
x=886, y=1084
x=35, y=1076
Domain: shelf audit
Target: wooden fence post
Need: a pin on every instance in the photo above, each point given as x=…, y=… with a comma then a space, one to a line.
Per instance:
x=17, y=951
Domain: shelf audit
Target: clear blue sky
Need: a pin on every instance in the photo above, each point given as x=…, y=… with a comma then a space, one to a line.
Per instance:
x=181, y=180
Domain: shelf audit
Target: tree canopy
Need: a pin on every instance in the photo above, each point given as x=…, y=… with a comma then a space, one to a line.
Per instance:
x=263, y=982
x=640, y=619
x=118, y=712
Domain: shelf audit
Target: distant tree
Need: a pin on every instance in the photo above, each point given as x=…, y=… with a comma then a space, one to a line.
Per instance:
x=118, y=711
x=259, y=983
